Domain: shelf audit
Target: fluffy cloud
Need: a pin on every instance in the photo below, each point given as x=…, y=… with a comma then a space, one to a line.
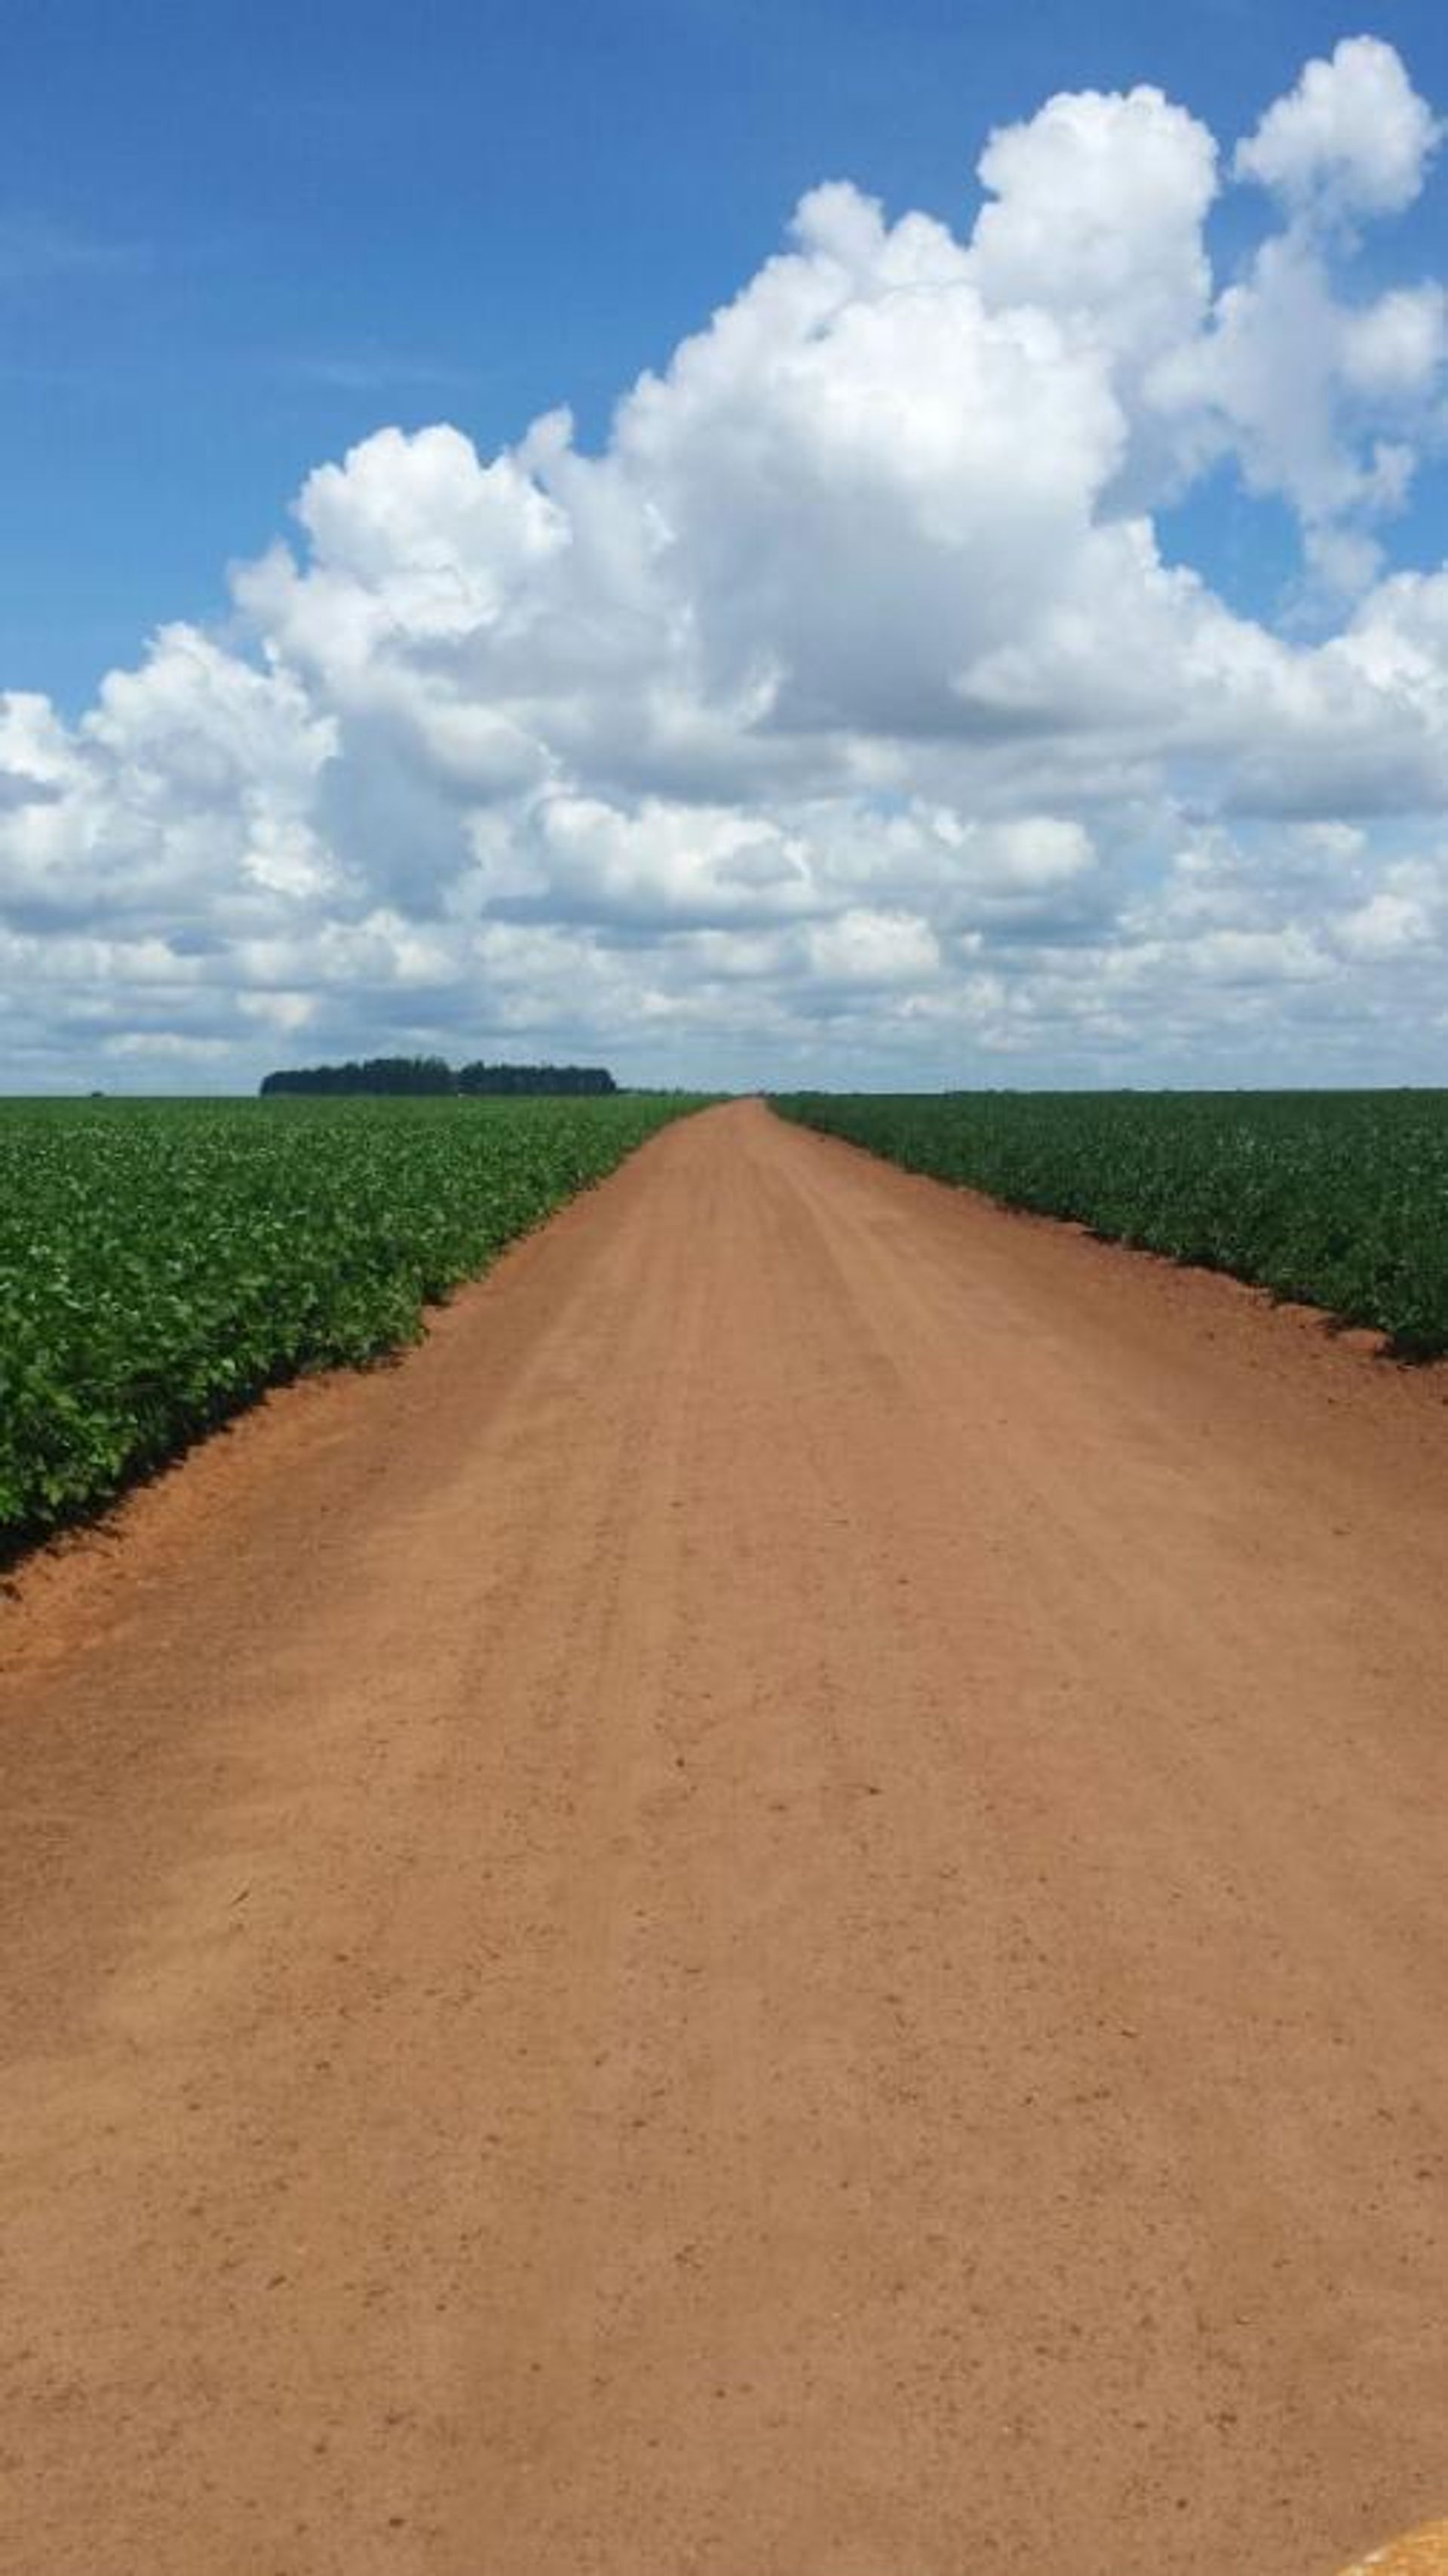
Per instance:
x=843, y=715
x=1352, y=138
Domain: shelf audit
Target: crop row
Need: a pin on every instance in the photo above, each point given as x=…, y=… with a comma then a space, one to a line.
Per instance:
x=1336, y=1198
x=163, y=1262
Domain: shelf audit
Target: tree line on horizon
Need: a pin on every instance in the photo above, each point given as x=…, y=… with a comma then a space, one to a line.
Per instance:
x=428, y=1076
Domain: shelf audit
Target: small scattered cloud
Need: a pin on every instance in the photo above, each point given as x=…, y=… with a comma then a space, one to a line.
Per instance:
x=368, y=371
x=1353, y=138
x=35, y=251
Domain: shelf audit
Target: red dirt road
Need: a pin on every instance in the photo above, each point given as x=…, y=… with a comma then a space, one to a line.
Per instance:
x=777, y=1912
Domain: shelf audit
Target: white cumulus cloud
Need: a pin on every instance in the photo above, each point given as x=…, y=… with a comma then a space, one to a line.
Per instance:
x=845, y=715
x=1353, y=137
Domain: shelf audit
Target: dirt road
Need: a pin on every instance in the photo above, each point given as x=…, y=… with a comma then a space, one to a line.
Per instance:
x=777, y=1912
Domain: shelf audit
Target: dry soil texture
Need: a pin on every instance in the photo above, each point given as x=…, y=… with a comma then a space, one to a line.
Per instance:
x=778, y=1911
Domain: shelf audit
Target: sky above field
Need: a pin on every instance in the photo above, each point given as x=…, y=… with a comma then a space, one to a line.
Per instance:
x=774, y=544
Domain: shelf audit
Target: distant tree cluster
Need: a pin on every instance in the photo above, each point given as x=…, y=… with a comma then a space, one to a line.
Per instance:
x=413, y=1075
x=416, y=1076
x=535, y=1077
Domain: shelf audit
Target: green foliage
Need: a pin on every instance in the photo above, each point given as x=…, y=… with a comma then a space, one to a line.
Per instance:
x=418, y=1076
x=163, y=1262
x=1337, y=1198
x=409, y=1077
x=511, y=1080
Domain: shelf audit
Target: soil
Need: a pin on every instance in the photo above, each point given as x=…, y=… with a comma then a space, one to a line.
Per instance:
x=778, y=1910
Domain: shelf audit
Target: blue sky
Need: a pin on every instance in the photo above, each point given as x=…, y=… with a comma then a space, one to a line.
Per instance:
x=235, y=239
x=1009, y=648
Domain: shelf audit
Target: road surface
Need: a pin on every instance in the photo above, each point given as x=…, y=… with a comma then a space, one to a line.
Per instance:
x=777, y=1911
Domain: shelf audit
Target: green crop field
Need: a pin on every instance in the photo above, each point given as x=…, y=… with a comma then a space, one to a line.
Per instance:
x=163, y=1261
x=1337, y=1198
